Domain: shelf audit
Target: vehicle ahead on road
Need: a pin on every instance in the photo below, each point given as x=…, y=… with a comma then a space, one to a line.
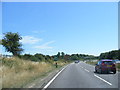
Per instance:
x=77, y=61
x=105, y=65
x=117, y=61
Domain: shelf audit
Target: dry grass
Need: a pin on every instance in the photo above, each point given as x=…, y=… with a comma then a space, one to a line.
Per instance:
x=16, y=72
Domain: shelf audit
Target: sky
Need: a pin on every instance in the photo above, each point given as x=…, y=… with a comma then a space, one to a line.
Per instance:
x=70, y=27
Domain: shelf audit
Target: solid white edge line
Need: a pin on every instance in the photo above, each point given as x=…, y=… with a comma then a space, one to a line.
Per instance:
x=53, y=78
x=102, y=79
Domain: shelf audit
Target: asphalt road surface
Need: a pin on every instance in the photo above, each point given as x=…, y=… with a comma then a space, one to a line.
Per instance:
x=81, y=75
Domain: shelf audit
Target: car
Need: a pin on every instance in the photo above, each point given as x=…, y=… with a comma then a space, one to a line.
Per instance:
x=105, y=65
x=116, y=61
x=76, y=61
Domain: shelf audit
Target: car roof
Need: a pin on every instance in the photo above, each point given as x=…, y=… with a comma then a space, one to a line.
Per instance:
x=106, y=60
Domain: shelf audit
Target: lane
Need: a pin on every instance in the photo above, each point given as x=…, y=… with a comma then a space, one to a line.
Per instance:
x=81, y=75
x=113, y=78
x=108, y=78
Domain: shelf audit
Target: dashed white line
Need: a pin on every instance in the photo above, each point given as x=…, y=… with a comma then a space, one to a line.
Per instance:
x=102, y=79
x=53, y=78
x=87, y=70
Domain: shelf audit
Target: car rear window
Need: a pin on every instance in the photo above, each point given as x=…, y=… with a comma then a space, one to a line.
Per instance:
x=107, y=62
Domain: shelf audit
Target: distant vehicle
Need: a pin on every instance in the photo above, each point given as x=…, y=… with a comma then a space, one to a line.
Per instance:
x=77, y=61
x=105, y=65
x=116, y=61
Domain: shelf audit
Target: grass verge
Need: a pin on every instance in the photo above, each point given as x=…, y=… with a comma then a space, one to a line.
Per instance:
x=16, y=73
x=90, y=62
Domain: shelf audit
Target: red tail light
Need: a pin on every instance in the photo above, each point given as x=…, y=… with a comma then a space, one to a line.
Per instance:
x=113, y=65
x=103, y=64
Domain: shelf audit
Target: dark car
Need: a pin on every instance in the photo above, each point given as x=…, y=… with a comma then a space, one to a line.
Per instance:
x=105, y=65
x=76, y=61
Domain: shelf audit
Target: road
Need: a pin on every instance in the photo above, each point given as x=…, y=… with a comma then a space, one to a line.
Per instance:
x=81, y=75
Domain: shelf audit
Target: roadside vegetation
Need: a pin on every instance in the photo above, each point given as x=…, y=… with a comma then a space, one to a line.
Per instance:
x=118, y=66
x=18, y=72
x=114, y=54
x=91, y=62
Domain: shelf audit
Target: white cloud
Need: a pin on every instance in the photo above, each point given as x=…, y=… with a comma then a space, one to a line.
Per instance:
x=30, y=40
x=45, y=45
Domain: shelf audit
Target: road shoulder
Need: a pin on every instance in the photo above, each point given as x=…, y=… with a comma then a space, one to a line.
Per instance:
x=42, y=81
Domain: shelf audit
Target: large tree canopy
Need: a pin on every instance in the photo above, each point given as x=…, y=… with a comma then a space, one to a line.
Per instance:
x=11, y=43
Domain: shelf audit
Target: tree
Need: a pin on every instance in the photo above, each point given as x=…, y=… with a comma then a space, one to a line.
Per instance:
x=11, y=43
x=67, y=57
x=40, y=56
x=74, y=57
x=47, y=57
x=119, y=54
x=114, y=54
x=58, y=55
x=63, y=54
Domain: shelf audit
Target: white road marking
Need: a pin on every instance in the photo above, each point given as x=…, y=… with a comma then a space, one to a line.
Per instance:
x=87, y=70
x=102, y=79
x=53, y=78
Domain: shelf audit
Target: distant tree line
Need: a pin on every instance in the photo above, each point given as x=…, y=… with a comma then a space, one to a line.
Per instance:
x=114, y=54
x=60, y=56
x=37, y=57
x=11, y=43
